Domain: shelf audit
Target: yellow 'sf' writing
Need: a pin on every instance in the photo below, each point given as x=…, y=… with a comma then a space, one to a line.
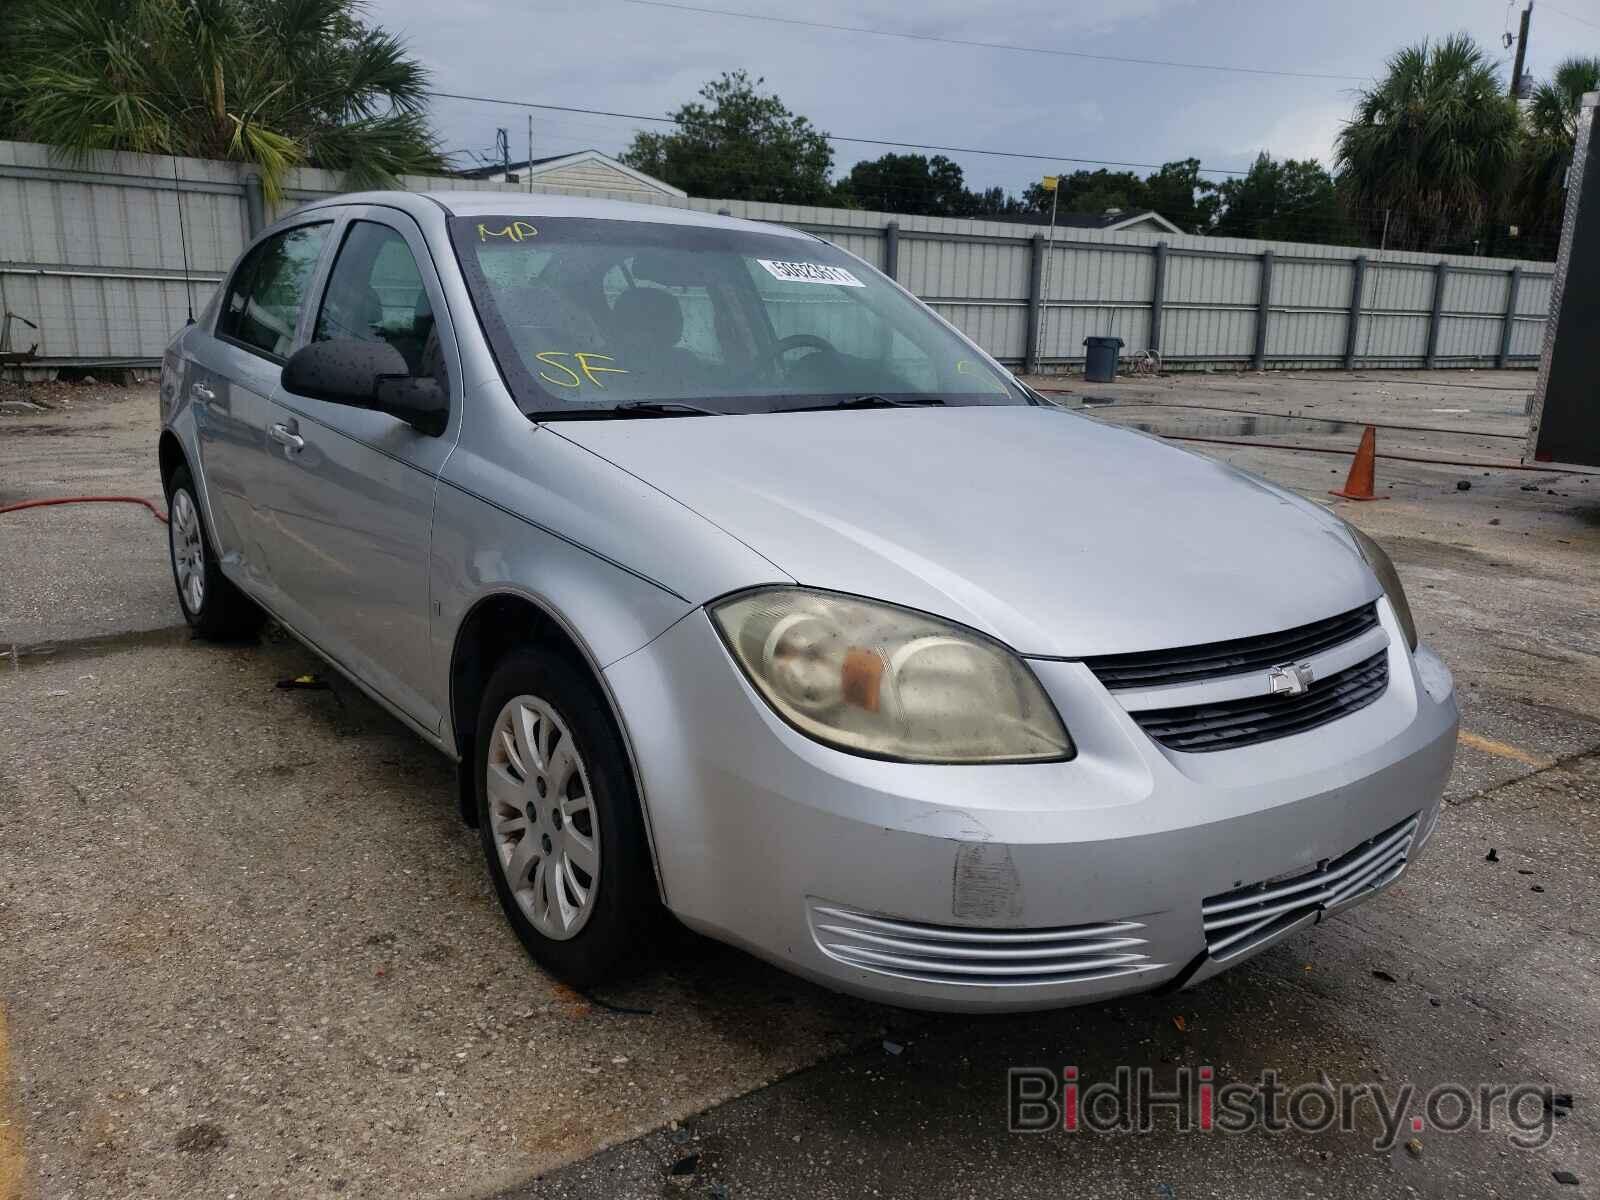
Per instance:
x=586, y=363
x=591, y=371
x=548, y=357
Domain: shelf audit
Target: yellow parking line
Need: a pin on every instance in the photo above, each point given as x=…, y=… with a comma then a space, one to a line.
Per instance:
x=10, y=1127
x=1502, y=749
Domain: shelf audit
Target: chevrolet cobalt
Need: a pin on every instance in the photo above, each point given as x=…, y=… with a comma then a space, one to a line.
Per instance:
x=737, y=581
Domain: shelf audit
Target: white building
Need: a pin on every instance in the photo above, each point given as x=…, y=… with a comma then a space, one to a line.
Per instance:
x=587, y=169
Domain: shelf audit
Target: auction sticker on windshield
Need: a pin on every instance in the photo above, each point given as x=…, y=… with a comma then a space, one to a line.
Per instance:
x=804, y=272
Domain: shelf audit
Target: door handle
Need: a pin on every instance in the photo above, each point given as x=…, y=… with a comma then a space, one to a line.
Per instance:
x=202, y=393
x=285, y=436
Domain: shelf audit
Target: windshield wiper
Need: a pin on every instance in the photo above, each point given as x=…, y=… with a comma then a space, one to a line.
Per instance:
x=665, y=408
x=629, y=408
x=873, y=400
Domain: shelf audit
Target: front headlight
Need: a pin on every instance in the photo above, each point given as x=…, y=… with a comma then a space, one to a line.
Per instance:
x=887, y=682
x=1383, y=568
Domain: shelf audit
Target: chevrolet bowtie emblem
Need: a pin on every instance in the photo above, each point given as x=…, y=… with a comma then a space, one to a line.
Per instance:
x=1292, y=679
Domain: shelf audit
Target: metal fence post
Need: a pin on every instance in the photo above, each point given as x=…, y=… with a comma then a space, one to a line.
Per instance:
x=1263, y=312
x=1035, y=304
x=1353, y=329
x=255, y=206
x=891, y=249
x=1440, y=273
x=1504, y=355
x=1158, y=294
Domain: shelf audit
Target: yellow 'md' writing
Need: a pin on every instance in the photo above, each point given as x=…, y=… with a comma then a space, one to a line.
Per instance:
x=517, y=231
x=587, y=363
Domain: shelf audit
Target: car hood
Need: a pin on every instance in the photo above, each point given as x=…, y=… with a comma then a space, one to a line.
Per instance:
x=1055, y=533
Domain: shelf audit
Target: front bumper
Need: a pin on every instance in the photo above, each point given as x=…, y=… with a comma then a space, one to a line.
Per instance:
x=1018, y=886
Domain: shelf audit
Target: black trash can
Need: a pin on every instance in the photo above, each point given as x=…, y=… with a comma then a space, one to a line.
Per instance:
x=1100, y=363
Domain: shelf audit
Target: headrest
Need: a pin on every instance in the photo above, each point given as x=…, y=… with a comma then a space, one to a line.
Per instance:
x=647, y=317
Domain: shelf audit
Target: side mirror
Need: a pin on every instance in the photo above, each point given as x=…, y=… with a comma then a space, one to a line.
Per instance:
x=367, y=375
x=419, y=402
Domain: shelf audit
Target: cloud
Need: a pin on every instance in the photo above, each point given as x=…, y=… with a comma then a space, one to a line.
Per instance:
x=1303, y=133
x=605, y=54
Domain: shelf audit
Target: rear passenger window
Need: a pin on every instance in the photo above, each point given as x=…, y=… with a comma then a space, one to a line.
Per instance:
x=376, y=294
x=262, y=307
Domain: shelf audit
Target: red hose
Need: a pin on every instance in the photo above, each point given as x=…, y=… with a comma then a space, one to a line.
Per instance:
x=154, y=511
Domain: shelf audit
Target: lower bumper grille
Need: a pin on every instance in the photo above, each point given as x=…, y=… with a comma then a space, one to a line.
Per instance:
x=979, y=957
x=1242, y=919
x=1233, y=723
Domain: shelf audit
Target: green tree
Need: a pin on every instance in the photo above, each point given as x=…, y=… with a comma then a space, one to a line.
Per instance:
x=993, y=202
x=736, y=143
x=1290, y=201
x=909, y=183
x=1178, y=193
x=273, y=83
x=1431, y=145
x=1092, y=192
x=1549, y=134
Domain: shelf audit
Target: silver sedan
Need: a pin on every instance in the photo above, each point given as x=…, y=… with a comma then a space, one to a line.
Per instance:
x=742, y=586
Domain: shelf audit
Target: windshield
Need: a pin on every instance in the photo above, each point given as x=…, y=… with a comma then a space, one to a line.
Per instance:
x=590, y=317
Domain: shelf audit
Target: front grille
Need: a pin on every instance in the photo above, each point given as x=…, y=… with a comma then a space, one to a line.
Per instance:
x=979, y=957
x=1246, y=917
x=1229, y=724
x=1187, y=664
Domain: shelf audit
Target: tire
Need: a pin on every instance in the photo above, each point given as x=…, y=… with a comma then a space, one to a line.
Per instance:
x=212, y=605
x=581, y=898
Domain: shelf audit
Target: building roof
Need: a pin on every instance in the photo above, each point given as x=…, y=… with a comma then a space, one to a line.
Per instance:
x=493, y=169
x=1115, y=219
x=557, y=162
x=1111, y=220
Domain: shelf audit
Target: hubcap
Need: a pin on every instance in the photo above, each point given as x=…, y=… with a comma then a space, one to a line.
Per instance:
x=188, y=550
x=541, y=816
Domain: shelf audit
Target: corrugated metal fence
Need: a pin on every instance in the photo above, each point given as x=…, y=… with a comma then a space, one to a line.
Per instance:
x=93, y=253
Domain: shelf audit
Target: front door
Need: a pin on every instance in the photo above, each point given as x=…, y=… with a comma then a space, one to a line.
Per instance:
x=352, y=523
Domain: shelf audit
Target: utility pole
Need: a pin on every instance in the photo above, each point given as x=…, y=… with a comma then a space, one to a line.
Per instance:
x=1522, y=52
x=530, y=153
x=1050, y=184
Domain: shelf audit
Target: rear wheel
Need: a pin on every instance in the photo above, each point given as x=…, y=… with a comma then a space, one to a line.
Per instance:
x=559, y=819
x=212, y=605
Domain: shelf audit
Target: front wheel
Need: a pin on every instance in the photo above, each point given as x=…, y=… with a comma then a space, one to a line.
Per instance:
x=212, y=605
x=559, y=819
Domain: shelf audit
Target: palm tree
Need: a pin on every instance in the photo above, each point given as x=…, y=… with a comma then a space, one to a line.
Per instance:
x=273, y=83
x=1430, y=145
x=1551, y=124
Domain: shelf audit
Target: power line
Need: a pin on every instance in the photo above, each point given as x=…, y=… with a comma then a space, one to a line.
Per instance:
x=1583, y=21
x=837, y=137
x=950, y=41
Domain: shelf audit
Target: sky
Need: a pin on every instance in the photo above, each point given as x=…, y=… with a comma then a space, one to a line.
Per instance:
x=630, y=58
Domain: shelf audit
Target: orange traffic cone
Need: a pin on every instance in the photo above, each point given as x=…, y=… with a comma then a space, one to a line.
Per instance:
x=1358, y=486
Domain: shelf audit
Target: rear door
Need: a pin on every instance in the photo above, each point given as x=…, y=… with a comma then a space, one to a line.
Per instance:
x=352, y=519
x=232, y=378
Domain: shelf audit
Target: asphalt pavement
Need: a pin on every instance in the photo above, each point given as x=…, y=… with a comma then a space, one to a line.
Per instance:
x=247, y=949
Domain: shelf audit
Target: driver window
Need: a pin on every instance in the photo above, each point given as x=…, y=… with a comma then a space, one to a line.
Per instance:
x=376, y=294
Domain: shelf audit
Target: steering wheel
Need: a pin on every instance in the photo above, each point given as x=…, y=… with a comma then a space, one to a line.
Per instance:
x=799, y=341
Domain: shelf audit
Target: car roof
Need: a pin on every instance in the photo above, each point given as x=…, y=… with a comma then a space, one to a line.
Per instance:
x=472, y=203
